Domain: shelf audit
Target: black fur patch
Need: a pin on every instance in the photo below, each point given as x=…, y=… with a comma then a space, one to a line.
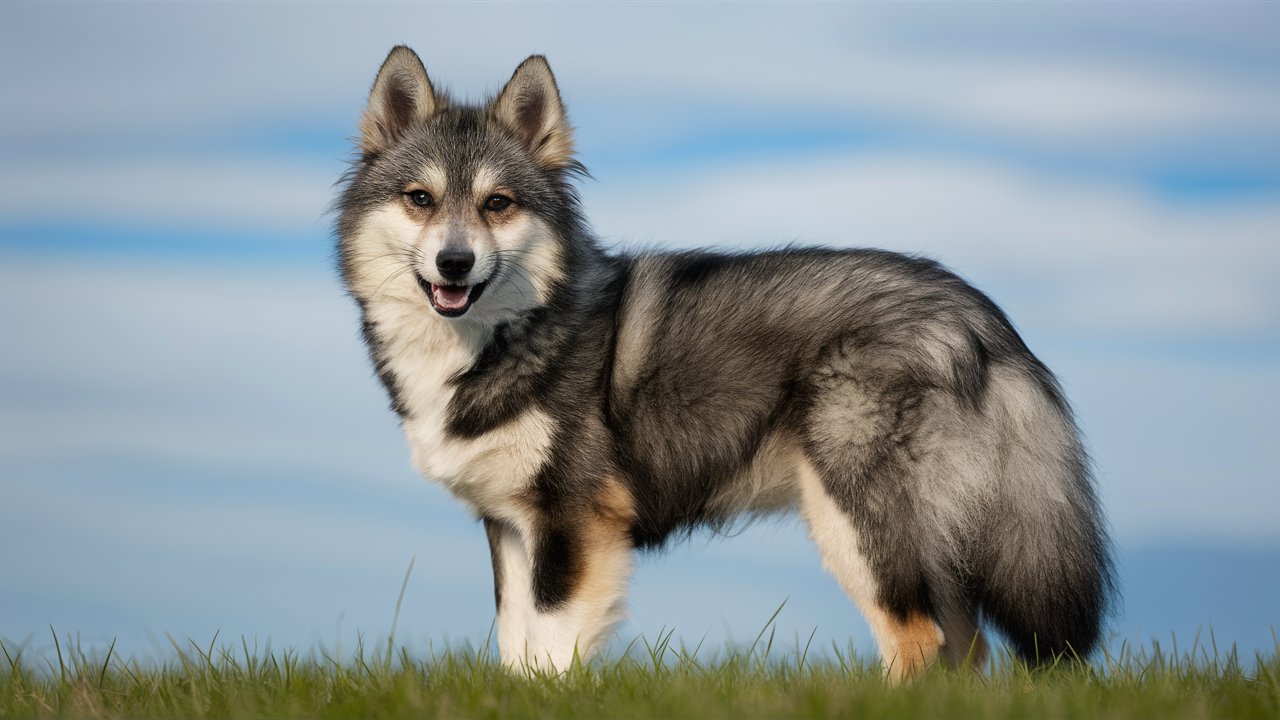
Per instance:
x=505, y=379
x=493, y=529
x=696, y=267
x=380, y=366
x=557, y=563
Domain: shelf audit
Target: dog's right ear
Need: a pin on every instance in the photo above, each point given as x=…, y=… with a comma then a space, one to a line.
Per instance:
x=529, y=105
x=402, y=95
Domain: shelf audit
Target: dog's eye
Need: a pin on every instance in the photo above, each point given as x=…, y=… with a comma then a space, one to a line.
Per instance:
x=421, y=198
x=497, y=203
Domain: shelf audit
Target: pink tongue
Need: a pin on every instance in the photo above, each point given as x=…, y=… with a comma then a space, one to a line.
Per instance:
x=450, y=298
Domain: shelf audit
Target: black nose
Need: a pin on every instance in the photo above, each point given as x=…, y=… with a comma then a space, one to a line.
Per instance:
x=455, y=263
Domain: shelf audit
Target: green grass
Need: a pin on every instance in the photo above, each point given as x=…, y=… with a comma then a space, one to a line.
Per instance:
x=661, y=679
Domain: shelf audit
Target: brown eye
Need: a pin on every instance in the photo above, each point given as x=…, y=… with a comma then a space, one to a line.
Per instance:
x=497, y=203
x=421, y=198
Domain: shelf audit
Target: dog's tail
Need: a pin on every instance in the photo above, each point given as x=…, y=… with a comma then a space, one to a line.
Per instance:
x=1047, y=579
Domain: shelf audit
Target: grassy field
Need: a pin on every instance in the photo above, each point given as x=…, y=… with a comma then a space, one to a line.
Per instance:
x=657, y=680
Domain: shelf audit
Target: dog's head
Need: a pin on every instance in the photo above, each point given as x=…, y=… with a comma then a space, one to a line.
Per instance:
x=464, y=209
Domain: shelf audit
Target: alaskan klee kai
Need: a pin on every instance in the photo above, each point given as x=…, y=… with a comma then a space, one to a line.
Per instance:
x=586, y=405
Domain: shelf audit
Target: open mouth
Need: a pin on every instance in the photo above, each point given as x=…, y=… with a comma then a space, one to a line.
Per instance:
x=451, y=300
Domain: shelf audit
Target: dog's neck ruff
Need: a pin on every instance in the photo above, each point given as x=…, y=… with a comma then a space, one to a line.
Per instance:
x=425, y=356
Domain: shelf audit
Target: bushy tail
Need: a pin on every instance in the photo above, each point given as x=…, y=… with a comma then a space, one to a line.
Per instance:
x=1048, y=580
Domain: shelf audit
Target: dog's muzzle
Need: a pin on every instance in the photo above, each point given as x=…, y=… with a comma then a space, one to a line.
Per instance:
x=451, y=300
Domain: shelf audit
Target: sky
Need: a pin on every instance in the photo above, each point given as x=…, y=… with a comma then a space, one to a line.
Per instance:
x=192, y=442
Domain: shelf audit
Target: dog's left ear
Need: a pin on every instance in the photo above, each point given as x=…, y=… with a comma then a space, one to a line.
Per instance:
x=402, y=97
x=530, y=107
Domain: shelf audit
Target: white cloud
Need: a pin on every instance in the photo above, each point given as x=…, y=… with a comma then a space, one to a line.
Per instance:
x=1126, y=78
x=199, y=193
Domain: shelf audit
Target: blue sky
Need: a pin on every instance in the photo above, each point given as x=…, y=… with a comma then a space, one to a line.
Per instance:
x=190, y=438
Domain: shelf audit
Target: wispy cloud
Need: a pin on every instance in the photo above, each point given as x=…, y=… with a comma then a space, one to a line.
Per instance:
x=1101, y=79
x=199, y=193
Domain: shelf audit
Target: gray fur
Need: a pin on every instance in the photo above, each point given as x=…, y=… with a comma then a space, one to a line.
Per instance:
x=687, y=376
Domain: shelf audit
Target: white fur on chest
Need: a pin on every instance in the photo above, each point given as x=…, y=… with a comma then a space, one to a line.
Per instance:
x=487, y=472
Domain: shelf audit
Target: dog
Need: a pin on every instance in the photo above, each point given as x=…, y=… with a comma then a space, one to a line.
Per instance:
x=586, y=405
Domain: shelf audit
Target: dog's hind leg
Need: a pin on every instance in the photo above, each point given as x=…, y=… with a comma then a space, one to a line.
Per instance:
x=966, y=644
x=906, y=635
x=869, y=431
x=561, y=581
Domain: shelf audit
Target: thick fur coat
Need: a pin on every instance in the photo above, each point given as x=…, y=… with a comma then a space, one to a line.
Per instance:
x=586, y=405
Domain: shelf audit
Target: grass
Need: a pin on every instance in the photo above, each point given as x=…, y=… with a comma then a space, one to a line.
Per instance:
x=662, y=679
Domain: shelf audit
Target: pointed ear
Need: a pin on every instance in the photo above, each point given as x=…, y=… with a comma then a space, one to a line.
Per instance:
x=402, y=95
x=530, y=107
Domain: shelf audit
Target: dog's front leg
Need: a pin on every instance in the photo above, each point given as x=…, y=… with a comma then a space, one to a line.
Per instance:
x=560, y=584
x=512, y=589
